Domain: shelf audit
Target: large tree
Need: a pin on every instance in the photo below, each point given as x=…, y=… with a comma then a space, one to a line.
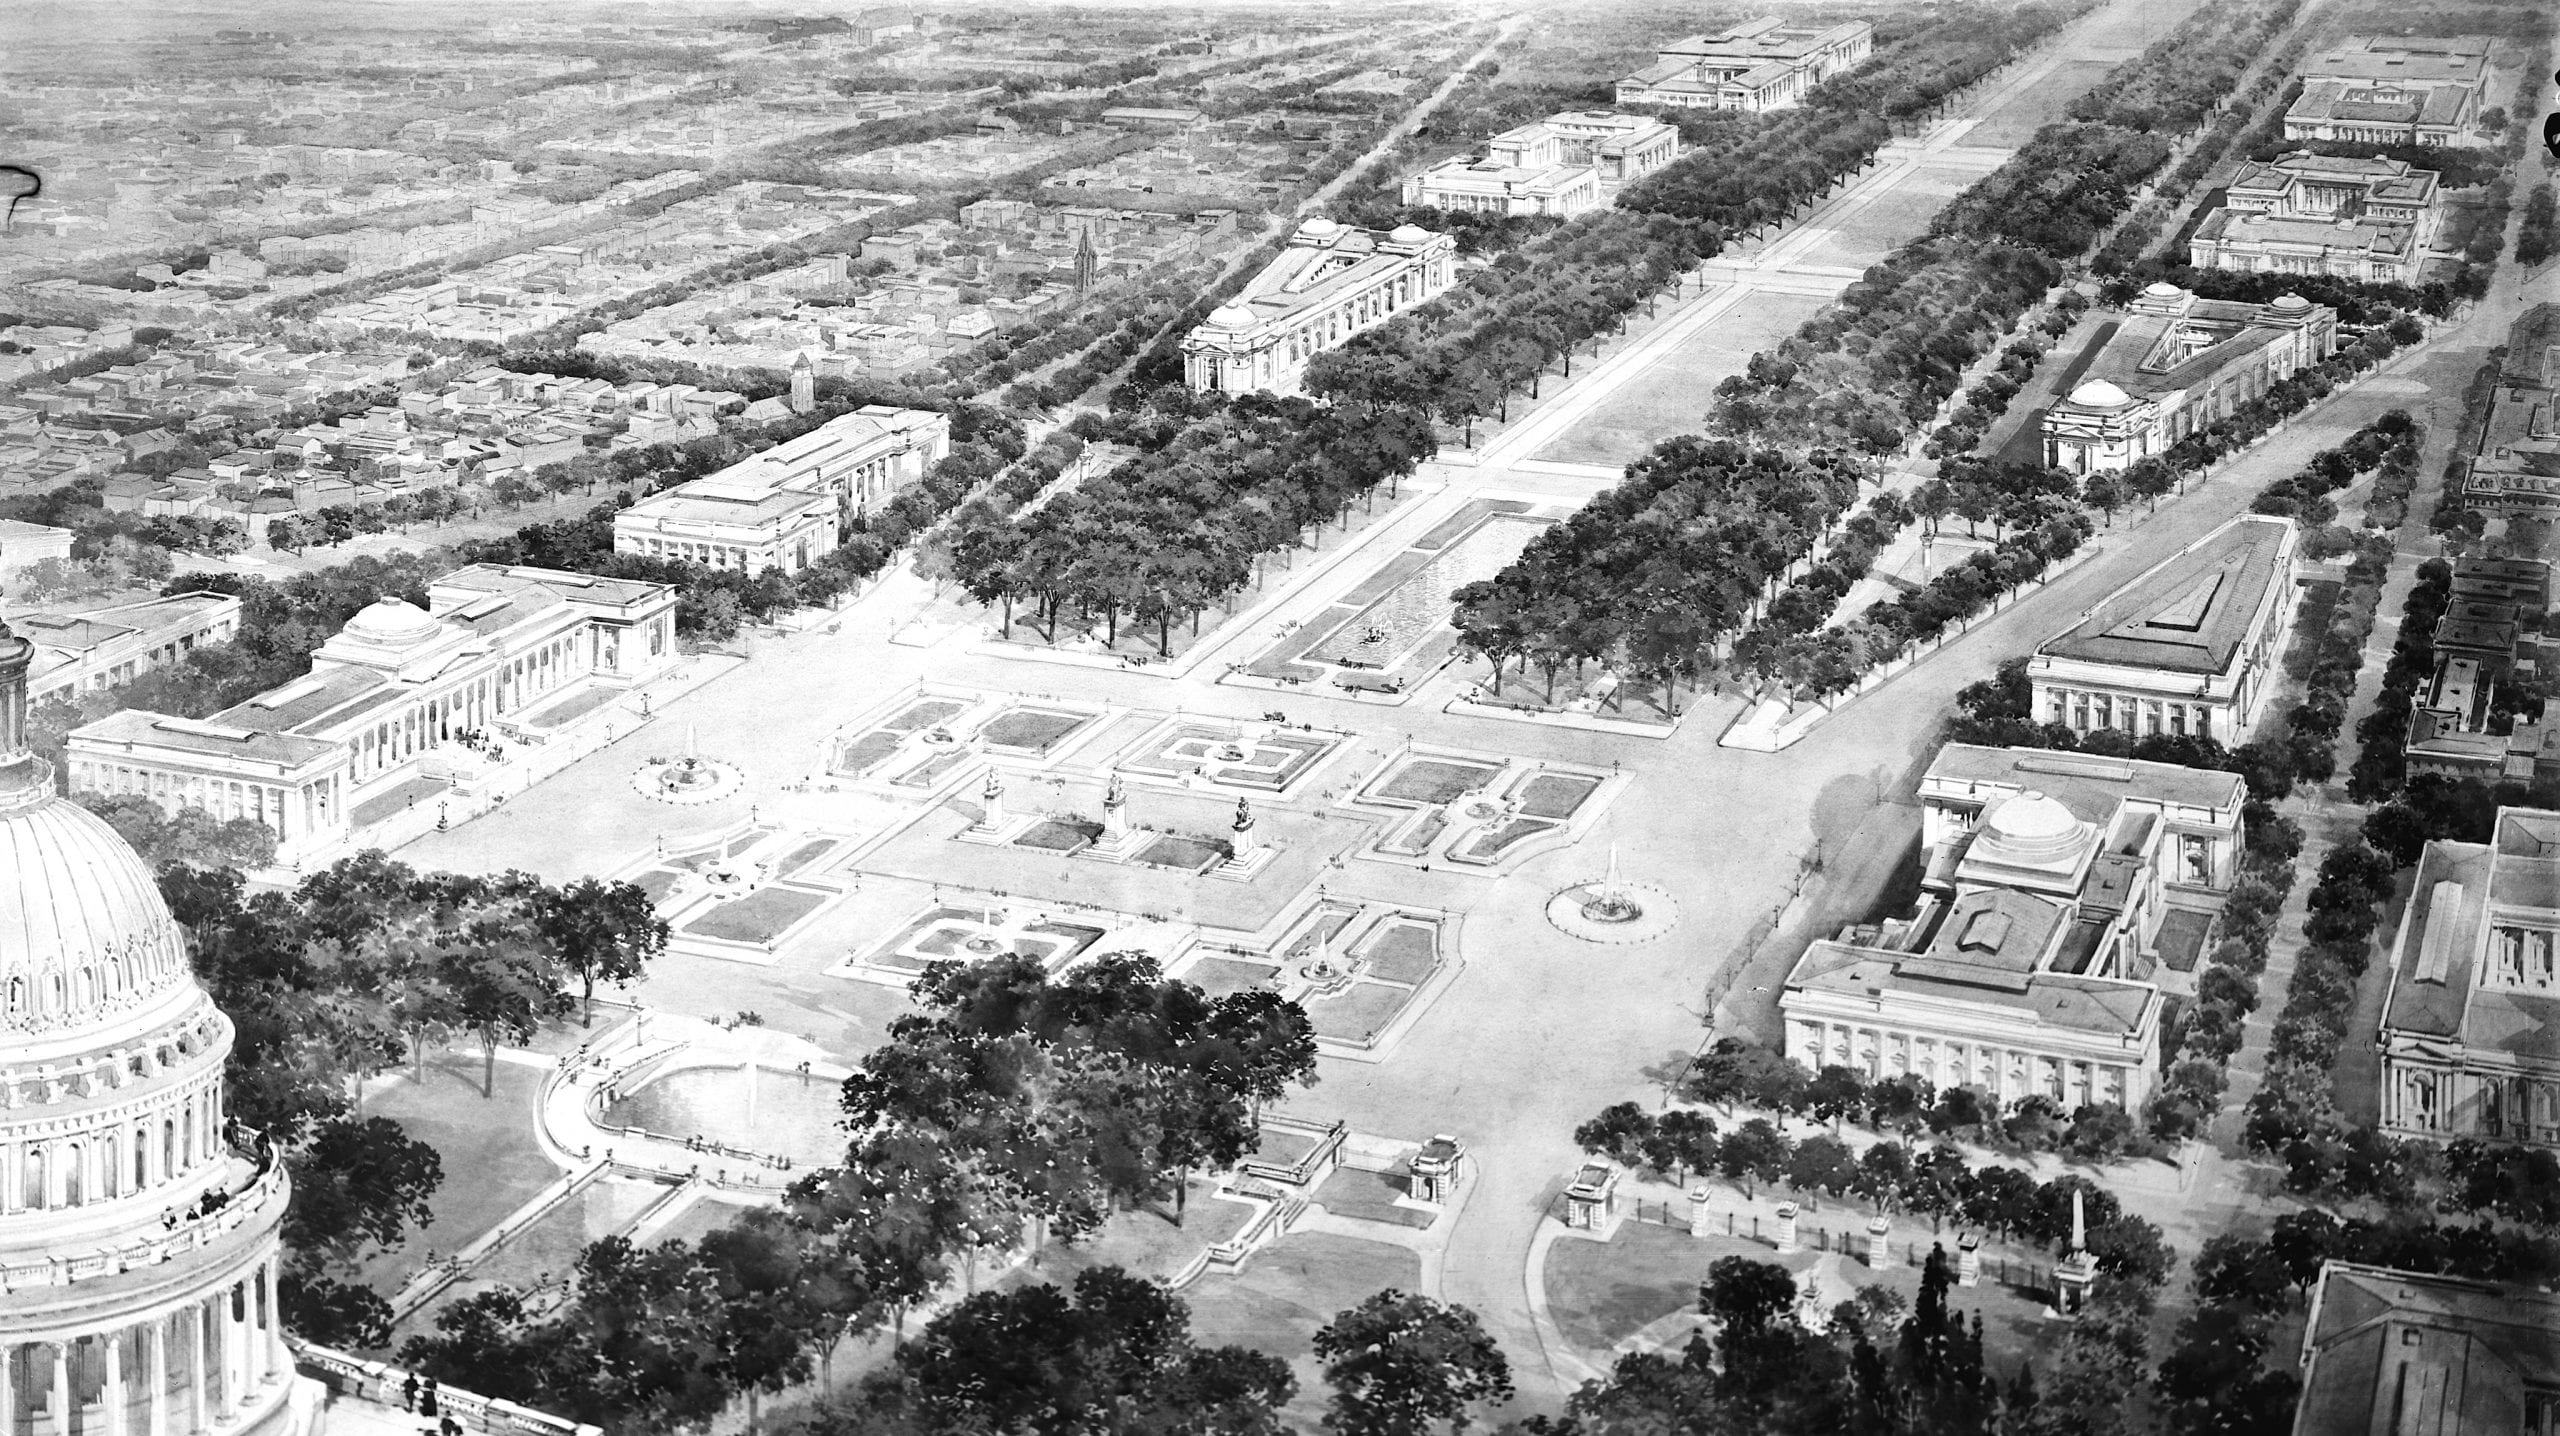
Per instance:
x=1404, y=1365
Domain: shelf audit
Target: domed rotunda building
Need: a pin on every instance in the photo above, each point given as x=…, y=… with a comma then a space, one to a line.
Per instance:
x=138, y=1244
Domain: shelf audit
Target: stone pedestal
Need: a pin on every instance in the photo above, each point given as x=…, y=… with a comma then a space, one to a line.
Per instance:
x=1969, y=1260
x=1698, y=1212
x=1787, y=1228
x=1879, y=1241
x=2071, y=1280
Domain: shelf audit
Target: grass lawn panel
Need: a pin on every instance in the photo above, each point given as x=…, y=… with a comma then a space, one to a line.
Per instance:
x=1419, y=836
x=1144, y=1242
x=698, y=1221
x=1076, y=937
x=1492, y=844
x=1058, y=836
x=1032, y=728
x=1604, y=1292
x=1435, y=780
x=760, y=916
x=1556, y=795
x=857, y=757
x=1405, y=952
x=655, y=882
x=801, y=857
x=1280, y=1299
x=1369, y=1196
x=1359, y=1013
x=922, y=715
x=493, y=1163
x=1187, y=854
x=923, y=774
x=1218, y=976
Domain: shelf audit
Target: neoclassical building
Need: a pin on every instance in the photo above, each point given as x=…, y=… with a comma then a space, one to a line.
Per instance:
x=1561, y=165
x=138, y=1228
x=787, y=507
x=400, y=693
x=2188, y=649
x=2304, y=213
x=1765, y=64
x=2467, y=1024
x=1329, y=283
x=2054, y=886
x=2175, y=365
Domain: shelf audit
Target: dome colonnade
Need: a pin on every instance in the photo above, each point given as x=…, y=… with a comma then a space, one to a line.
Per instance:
x=139, y=1249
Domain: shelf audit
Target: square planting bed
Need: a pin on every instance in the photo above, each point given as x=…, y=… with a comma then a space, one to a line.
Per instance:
x=802, y=856
x=1059, y=835
x=1370, y=1197
x=1431, y=781
x=923, y=774
x=1359, y=1012
x=1219, y=976
x=759, y=917
x=1417, y=836
x=1187, y=854
x=1555, y=795
x=1032, y=730
x=1404, y=952
x=656, y=882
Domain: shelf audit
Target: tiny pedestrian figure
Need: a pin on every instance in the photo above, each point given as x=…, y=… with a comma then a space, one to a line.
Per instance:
x=427, y=1398
x=409, y=1393
x=448, y=1427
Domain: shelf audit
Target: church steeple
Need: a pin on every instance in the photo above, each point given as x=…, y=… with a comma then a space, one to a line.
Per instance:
x=1086, y=260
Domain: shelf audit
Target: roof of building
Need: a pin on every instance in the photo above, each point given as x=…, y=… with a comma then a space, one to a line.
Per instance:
x=2090, y=785
x=83, y=631
x=1767, y=38
x=2376, y=238
x=2192, y=613
x=2444, y=1355
x=1322, y=262
x=2462, y=59
x=2382, y=103
x=2434, y=992
x=2392, y=180
x=2085, y=1004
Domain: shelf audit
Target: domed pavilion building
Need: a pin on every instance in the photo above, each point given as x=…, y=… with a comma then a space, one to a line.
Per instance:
x=1330, y=282
x=2060, y=893
x=2174, y=365
x=138, y=1239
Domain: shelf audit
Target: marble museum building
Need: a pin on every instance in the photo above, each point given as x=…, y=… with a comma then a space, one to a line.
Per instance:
x=2467, y=1022
x=787, y=507
x=2054, y=887
x=1766, y=64
x=2189, y=649
x=2369, y=219
x=139, y=1251
x=2175, y=365
x=1562, y=165
x=1329, y=283
x=400, y=693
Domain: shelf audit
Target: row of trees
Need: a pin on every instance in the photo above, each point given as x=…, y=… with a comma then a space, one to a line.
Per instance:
x=2187, y=75
x=363, y=967
x=1007, y=1103
x=1653, y=573
x=1183, y=526
x=1773, y=1368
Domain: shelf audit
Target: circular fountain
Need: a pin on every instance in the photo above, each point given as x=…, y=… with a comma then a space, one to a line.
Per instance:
x=983, y=944
x=1612, y=909
x=688, y=779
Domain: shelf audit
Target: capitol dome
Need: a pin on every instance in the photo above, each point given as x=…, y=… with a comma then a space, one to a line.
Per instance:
x=139, y=1234
x=2100, y=394
x=1231, y=316
x=86, y=944
x=391, y=621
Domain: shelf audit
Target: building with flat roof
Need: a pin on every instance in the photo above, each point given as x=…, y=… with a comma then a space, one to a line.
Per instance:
x=2054, y=887
x=2467, y=1022
x=2486, y=637
x=2188, y=649
x=400, y=693
x=2515, y=471
x=2396, y=1353
x=1562, y=165
x=2174, y=365
x=787, y=507
x=2408, y=59
x=2323, y=214
x=80, y=653
x=1763, y=65
x=2382, y=112
x=1329, y=283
